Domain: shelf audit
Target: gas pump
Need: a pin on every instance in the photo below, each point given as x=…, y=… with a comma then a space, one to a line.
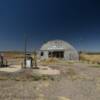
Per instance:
x=28, y=61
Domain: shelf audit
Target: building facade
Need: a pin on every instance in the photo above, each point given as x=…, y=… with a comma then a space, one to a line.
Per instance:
x=58, y=49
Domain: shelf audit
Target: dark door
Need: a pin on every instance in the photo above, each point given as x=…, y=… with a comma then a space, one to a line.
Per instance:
x=56, y=54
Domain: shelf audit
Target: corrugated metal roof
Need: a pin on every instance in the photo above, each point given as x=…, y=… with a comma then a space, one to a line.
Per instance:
x=57, y=45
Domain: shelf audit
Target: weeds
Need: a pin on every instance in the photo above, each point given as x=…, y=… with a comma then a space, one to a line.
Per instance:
x=72, y=74
x=42, y=77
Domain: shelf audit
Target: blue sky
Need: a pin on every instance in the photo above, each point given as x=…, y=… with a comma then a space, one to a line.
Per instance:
x=75, y=21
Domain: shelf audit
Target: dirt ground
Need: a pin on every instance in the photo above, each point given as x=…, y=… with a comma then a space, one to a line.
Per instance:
x=78, y=81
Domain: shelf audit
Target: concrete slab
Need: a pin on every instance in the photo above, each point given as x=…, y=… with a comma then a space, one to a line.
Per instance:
x=12, y=68
x=45, y=70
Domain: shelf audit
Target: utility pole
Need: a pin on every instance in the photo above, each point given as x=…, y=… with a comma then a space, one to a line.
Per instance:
x=25, y=50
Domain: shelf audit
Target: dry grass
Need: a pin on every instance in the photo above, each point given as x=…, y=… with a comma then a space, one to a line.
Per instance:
x=94, y=58
x=49, y=61
x=95, y=66
x=55, y=61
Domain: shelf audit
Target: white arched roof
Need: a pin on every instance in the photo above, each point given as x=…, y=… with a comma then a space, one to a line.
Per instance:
x=57, y=45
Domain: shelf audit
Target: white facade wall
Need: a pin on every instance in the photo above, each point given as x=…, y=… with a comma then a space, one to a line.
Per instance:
x=58, y=45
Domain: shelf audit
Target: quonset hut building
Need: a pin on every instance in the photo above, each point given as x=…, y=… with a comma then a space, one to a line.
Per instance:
x=58, y=49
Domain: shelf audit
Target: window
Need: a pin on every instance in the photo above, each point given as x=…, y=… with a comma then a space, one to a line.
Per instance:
x=41, y=53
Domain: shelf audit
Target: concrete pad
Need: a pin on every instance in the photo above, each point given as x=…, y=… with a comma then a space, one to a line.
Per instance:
x=45, y=70
x=12, y=68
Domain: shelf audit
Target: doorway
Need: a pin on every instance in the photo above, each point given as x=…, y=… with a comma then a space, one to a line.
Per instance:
x=56, y=54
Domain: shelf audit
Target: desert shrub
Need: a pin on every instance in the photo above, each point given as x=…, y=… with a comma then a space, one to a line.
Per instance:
x=43, y=77
x=36, y=77
x=71, y=74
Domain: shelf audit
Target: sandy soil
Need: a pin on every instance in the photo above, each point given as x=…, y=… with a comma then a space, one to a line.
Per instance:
x=77, y=82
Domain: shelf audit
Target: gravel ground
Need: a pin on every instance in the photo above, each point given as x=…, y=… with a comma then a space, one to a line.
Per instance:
x=77, y=82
